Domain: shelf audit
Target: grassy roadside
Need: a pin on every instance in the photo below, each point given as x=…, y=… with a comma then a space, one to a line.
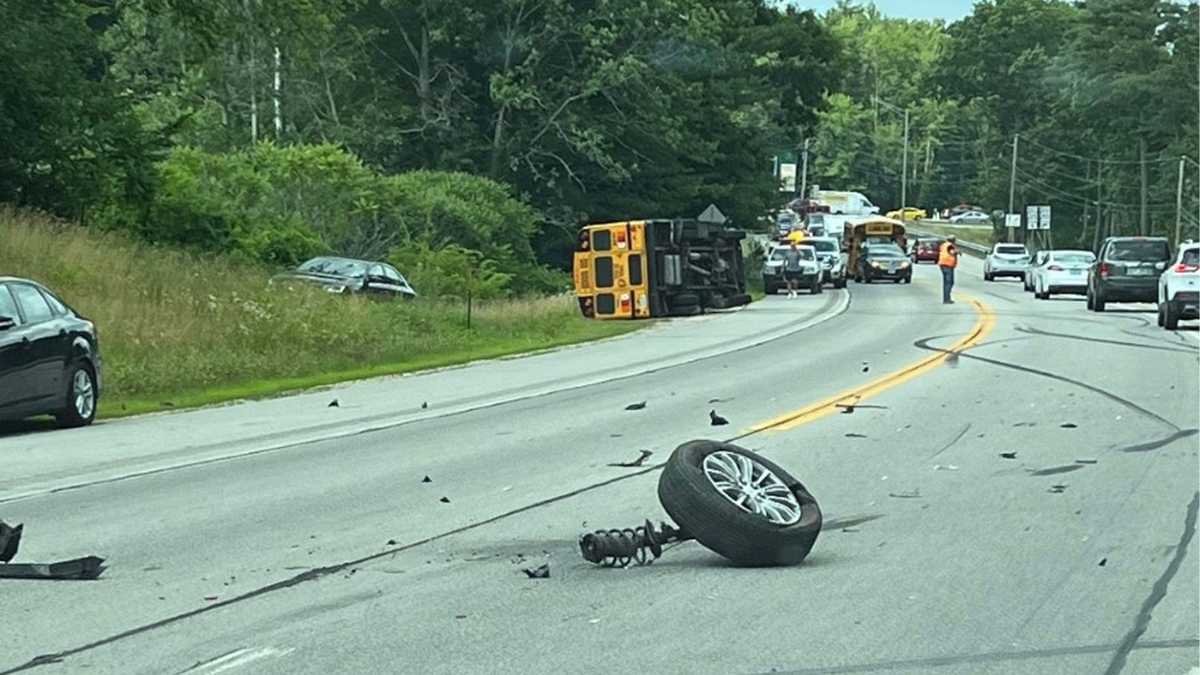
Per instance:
x=180, y=330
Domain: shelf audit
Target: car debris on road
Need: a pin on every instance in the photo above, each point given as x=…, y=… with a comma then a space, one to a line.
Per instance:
x=640, y=405
x=716, y=420
x=645, y=454
x=86, y=568
x=540, y=572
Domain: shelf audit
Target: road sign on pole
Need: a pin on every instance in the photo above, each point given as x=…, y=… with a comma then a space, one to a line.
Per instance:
x=1031, y=217
x=1043, y=217
x=787, y=177
x=712, y=215
x=1012, y=221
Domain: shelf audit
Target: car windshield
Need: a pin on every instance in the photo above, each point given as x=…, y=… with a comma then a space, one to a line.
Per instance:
x=781, y=253
x=823, y=245
x=1073, y=257
x=1191, y=256
x=340, y=267
x=1140, y=250
x=884, y=252
x=1011, y=250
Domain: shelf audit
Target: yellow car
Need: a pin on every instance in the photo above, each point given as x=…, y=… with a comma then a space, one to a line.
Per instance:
x=908, y=213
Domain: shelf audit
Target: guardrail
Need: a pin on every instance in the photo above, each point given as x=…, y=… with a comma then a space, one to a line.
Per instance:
x=973, y=249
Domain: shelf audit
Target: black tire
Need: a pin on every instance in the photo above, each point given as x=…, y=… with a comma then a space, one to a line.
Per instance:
x=1091, y=304
x=716, y=522
x=815, y=289
x=723, y=302
x=686, y=310
x=908, y=279
x=1170, y=316
x=68, y=416
x=1098, y=302
x=685, y=299
x=839, y=283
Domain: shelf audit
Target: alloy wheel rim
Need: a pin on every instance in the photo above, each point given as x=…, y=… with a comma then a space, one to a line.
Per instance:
x=752, y=487
x=84, y=393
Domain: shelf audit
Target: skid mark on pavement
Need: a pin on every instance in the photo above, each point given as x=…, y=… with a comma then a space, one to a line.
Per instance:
x=985, y=322
x=1158, y=592
x=1084, y=338
x=1162, y=442
x=924, y=344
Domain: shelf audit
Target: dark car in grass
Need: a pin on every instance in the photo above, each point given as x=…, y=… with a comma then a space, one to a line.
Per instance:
x=884, y=261
x=1127, y=270
x=347, y=275
x=49, y=356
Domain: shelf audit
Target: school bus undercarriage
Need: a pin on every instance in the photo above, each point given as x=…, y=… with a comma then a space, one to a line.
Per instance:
x=652, y=268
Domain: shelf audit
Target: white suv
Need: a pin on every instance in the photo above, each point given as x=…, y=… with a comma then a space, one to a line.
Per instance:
x=1179, y=288
x=1006, y=260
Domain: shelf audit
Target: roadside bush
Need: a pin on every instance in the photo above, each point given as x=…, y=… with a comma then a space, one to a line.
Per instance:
x=281, y=204
x=450, y=271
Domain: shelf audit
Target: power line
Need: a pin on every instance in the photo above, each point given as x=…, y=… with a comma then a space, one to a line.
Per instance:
x=1038, y=185
x=1164, y=158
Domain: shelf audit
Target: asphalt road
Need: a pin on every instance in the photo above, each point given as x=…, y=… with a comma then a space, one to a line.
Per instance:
x=938, y=555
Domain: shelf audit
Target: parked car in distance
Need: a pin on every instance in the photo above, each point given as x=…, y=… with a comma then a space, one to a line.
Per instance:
x=347, y=275
x=1179, y=288
x=1127, y=270
x=1038, y=260
x=810, y=274
x=926, y=249
x=1006, y=260
x=908, y=213
x=971, y=218
x=884, y=261
x=1062, y=272
x=49, y=356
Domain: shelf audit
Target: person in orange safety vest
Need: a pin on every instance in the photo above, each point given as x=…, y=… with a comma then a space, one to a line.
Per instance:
x=947, y=261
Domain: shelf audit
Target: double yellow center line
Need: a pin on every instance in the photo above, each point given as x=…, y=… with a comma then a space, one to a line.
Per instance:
x=984, y=323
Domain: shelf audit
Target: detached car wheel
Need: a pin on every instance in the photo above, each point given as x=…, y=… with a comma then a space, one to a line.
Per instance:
x=79, y=408
x=739, y=504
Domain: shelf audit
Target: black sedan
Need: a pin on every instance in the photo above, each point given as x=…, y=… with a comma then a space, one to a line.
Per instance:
x=885, y=262
x=347, y=275
x=49, y=356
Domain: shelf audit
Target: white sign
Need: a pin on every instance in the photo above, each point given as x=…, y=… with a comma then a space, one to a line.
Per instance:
x=1012, y=220
x=712, y=215
x=1037, y=217
x=787, y=177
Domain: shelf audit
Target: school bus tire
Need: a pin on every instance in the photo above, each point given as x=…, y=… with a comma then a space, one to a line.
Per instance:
x=713, y=519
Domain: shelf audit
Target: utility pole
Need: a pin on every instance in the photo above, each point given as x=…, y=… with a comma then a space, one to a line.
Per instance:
x=804, y=170
x=1143, y=215
x=1012, y=183
x=1099, y=207
x=904, y=171
x=278, y=114
x=1179, y=203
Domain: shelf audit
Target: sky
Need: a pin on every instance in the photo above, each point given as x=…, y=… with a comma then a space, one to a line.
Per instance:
x=950, y=10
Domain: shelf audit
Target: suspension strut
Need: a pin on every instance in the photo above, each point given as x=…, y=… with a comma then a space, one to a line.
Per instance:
x=620, y=547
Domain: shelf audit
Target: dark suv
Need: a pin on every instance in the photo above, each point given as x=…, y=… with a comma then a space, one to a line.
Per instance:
x=1127, y=270
x=49, y=356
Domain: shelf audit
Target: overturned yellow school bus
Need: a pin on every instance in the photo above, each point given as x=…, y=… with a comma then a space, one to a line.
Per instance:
x=652, y=268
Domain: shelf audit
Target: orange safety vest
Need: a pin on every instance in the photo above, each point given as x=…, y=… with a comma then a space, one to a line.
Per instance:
x=945, y=257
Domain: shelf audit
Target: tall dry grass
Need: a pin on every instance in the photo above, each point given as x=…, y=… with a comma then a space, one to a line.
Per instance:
x=174, y=322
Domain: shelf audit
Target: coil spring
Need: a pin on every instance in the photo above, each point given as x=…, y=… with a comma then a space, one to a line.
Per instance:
x=620, y=547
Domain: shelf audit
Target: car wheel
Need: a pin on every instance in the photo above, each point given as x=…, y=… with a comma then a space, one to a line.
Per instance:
x=1091, y=304
x=1170, y=316
x=1161, y=321
x=839, y=283
x=816, y=287
x=739, y=504
x=79, y=408
x=1098, y=303
x=908, y=279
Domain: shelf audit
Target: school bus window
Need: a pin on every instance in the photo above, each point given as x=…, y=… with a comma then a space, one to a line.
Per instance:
x=635, y=270
x=601, y=240
x=604, y=272
x=606, y=303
